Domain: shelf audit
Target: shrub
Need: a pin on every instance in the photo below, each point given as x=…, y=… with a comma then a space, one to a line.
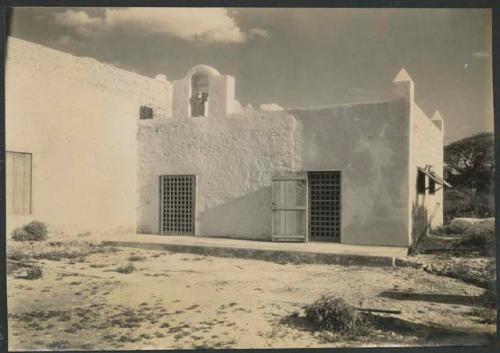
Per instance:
x=333, y=314
x=128, y=268
x=34, y=273
x=478, y=241
x=34, y=231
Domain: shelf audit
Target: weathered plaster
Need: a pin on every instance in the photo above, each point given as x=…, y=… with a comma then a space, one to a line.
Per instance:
x=233, y=159
x=368, y=144
x=78, y=117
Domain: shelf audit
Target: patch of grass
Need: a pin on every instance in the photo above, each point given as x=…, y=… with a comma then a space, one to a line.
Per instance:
x=32, y=316
x=485, y=315
x=16, y=255
x=79, y=255
x=34, y=231
x=136, y=258
x=335, y=315
x=126, y=269
x=59, y=345
x=98, y=265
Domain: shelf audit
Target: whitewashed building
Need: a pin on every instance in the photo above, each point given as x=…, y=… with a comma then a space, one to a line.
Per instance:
x=109, y=150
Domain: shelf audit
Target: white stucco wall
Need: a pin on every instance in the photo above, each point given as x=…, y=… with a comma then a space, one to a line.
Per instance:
x=78, y=117
x=221, y=102
x=233, y=160
x=368, y=143
x=426, y=149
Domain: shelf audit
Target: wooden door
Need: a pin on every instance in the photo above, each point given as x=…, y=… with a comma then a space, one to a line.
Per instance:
x=289, y=207
x=18, y=182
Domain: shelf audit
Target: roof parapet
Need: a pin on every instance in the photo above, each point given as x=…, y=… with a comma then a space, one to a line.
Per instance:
x=437, y=119
x=404, y=85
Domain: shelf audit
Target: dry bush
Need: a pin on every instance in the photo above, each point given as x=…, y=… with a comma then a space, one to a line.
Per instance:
x=334, y=315
x=34, y=231
x=128, y=268
x=34, y=273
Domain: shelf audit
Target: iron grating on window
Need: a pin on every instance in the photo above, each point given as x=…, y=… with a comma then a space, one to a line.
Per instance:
x=145, y=113
x=177, y=205
x=325, y=205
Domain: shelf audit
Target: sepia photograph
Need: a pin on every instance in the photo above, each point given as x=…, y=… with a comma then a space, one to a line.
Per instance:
x=231, y=178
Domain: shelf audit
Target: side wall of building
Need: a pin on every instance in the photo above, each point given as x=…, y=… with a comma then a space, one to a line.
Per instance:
x=78, y=118
x=426, y=144
x=368, y=143
x=233, y=159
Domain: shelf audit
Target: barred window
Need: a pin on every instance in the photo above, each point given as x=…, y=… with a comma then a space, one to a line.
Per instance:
x=145, y=113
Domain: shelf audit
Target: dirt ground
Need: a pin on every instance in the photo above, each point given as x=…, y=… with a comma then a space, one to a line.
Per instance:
x=174, y=300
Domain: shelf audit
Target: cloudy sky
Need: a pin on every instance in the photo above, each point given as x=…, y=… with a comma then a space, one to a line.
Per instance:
x=293, y=57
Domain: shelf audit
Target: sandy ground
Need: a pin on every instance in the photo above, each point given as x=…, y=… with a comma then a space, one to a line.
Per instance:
x=175, y=300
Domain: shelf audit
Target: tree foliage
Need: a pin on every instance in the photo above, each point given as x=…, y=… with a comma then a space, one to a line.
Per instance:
x=470, y=168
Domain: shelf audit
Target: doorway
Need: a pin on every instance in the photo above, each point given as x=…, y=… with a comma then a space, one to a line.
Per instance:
x=177, y=204
x=324, y=189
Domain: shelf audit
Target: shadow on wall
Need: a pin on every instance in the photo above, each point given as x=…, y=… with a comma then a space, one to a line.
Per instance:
x=245, y=217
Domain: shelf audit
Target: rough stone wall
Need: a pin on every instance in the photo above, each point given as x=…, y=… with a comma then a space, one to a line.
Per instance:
x=78, y=118
x=233, y=160
x=368, y=143
x=426, y=148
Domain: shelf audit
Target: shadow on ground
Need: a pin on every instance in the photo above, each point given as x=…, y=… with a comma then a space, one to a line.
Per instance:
x=469, y=300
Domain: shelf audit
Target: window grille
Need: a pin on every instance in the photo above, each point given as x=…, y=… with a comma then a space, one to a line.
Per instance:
x=177, y=207
x=325, y=205
x=145, y=113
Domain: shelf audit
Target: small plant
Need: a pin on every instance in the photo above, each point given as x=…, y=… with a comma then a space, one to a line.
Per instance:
x=486, y=316
x=16, y=255
x=128, y=268
x=33, y=273
x=34, y=231
x=334, y=315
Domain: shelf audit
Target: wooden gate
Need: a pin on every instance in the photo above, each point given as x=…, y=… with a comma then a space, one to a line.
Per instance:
x=289, y=207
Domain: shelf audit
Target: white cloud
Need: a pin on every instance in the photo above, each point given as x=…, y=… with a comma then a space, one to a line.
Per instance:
x=258, y=32
x=271, y=107
x=80, y=21
x=481, y=54
x=72, y=18
x=208, y=25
